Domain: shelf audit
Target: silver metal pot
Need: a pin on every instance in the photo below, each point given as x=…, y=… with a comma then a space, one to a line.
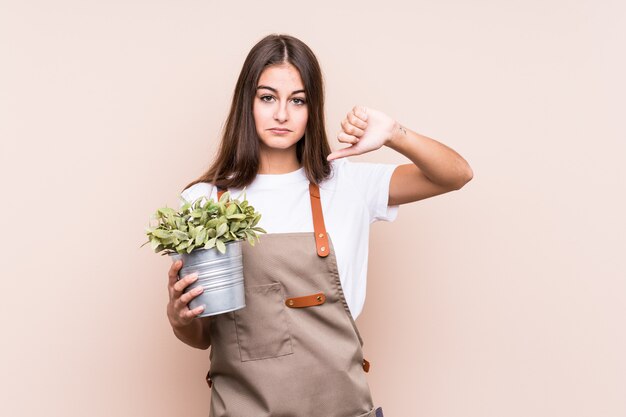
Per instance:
x=221, y=275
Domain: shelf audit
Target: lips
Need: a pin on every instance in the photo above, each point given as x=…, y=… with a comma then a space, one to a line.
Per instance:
x=279, y=130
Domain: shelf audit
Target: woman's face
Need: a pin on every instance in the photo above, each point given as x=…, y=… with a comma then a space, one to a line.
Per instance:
x=280, y=103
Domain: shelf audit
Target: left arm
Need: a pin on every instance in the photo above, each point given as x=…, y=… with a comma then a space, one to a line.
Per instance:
x=436, y=168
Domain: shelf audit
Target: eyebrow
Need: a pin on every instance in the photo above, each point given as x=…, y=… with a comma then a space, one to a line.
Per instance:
x=276, y=91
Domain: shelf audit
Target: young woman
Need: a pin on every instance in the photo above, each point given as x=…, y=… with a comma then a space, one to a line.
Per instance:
x=295, y=350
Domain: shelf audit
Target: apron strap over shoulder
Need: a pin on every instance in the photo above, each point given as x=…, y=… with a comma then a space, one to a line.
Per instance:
x=220, y=191
x=321, y=239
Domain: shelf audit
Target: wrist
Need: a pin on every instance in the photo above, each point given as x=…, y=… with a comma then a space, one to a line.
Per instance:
x=398, y=132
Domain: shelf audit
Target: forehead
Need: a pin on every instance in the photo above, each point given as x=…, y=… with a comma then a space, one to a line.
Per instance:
x=283, y=77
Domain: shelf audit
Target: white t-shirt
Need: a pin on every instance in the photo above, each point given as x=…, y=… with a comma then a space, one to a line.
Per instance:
x=353, y=197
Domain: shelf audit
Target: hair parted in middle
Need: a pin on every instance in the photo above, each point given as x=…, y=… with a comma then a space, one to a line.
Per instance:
x=237, y=160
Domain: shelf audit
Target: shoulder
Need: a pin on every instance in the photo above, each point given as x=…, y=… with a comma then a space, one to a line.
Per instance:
x=340, y=167
x=347, y=177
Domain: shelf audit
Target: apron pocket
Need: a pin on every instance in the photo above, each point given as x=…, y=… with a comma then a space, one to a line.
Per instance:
x=262, y=326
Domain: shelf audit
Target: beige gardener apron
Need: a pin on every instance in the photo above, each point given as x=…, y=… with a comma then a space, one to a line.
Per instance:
x=294, y=350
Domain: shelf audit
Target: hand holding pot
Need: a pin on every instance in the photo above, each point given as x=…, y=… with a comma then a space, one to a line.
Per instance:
x=178, y=312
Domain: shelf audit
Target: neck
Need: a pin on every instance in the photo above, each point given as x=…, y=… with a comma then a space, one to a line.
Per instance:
x=278, y=161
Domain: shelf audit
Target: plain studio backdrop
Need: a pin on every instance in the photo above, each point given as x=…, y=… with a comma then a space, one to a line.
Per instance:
x=505, y=298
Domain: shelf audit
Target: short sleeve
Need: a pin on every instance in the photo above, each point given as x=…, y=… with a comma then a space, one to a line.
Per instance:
x=372, y=182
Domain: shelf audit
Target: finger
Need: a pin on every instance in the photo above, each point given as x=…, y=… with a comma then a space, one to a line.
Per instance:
x=186, y=316
x=356, y=121
x=345, y=138
x=181, y=284
x=360, y=112
x=351, y=129
x=173, y=272
x=190, y=295
x=342, y=153
x=191, y=314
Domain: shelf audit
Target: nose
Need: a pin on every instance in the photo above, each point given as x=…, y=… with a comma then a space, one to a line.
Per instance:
x=281, y=113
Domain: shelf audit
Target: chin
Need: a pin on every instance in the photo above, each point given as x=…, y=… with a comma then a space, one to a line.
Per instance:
x=276, y=143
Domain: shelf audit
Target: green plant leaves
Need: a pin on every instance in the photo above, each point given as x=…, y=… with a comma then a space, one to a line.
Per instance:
x=210, y=244
x=256, y=219
x=203, y=223
x=221, y=229
x=166, y=211
x=231, y=209
x=183, y=245
x=212, y=224
x=201, y=237
x=220, y=246
x=180, y=235
x=161, y=234
x=154, y=243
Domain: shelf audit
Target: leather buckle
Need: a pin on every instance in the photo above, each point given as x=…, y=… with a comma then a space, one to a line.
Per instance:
x=366, y=365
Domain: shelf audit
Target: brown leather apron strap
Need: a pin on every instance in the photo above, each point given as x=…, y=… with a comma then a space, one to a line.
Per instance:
x=321, y=240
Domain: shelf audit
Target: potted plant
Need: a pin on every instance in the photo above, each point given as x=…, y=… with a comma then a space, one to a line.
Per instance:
x=207, y=236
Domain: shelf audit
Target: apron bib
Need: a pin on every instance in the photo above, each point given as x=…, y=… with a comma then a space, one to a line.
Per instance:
x=294, y=350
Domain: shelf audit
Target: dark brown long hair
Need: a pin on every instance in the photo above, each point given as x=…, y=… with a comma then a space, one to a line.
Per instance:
x=237, y=160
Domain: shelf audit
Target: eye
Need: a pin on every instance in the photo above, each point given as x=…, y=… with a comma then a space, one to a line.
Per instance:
x=264, y=97
x=299, y=101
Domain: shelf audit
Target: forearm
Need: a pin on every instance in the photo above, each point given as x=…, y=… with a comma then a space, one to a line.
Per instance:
x=438, y=162
x=193, y=334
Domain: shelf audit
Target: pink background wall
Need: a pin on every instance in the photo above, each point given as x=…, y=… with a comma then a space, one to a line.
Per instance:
x=503, y=299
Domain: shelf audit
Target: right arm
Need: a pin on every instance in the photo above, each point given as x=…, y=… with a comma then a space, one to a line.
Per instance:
x=190, y=331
